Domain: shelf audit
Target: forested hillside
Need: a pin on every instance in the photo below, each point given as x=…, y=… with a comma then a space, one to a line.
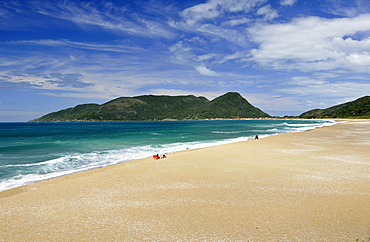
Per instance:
x=151, y=107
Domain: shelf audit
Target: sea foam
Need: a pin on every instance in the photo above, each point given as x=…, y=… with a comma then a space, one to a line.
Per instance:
x=194, y=136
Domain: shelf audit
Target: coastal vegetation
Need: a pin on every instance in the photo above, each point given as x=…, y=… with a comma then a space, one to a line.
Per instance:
x=152, y=107
x=228, y=106
x=360, y=108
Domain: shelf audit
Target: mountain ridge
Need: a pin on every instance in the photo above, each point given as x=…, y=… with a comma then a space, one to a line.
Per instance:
x=163, y=107
x=359, y=108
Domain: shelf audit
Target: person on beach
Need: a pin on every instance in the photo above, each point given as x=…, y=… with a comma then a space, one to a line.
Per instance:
x=156, y=157
x=163, y=156
x=256, y=137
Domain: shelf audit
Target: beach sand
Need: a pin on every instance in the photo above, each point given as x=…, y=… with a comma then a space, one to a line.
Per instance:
x=308, y=186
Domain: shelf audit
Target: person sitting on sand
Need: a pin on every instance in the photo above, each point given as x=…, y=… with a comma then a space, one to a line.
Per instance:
x=164, y=156
x=156, y=157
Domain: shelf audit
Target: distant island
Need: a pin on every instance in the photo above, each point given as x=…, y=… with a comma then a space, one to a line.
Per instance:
x=151, y=107
x=360, y=108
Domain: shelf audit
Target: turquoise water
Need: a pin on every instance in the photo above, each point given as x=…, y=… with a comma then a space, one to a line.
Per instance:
x=31, y=152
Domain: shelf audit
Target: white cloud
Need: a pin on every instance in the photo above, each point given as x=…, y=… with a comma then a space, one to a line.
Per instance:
x=234, y=57
x=306, y=81
x=237, y=21
x=217, y=32
x=203, y=70
x=359, y=59
x=220, y=20
x=112, y=17
x=268, y=102
x=200, y=12
x=288, y=2
x=206, y=57
x=268, y=12
x=79, y=45
x=215, y=8
x=182, y=54
x=313, y=43
x=347, y=8
x=50, y=81
x=324, y=92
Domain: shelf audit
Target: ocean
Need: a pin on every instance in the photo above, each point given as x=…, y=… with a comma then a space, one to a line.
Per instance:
x=31, y=152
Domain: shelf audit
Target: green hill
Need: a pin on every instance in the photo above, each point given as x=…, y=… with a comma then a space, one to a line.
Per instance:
x=360, y=108
x=151, y=107
x=230, y=105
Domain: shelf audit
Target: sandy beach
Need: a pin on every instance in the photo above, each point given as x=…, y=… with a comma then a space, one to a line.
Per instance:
x=308, y=186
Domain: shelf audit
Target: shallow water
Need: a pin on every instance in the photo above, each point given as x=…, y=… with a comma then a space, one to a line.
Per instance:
x=31, y=152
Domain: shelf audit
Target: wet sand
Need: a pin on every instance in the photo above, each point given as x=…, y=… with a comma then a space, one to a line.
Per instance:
x=308, y=186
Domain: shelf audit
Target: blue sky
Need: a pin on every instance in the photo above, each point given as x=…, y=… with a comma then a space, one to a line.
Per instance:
x=283, y=56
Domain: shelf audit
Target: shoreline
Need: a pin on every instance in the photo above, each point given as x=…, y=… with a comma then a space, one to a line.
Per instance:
x=214, y=144
x=210, y=119
x=309, y=185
